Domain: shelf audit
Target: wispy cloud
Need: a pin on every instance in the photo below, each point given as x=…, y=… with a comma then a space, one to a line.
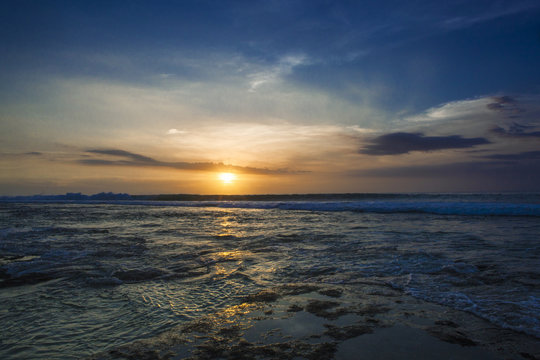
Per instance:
x=126, y=158
x=276, y=72
x=496, y=11
x=454, y=110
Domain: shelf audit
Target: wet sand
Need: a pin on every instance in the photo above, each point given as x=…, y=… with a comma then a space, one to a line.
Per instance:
x=371, y=321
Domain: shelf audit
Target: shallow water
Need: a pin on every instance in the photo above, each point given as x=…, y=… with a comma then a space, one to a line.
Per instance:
x=78, y=278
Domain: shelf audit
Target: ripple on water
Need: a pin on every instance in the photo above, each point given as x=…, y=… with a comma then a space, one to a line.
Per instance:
x=87, y=278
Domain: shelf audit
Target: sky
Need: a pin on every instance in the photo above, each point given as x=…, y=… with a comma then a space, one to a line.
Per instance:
x=150, y=97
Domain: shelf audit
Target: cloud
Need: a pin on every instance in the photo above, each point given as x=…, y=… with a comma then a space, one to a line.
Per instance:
x=516, y=130
x=121, y=153
x=500, y=119
x=500, y=102
x=485, y=109
x=403, y=143
x=454, y=110
x=506, y=105
x=131, y=159
x=284, y=67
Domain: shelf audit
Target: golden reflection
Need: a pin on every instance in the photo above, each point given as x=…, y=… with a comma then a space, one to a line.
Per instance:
x=240, y=309
x=228, y=225
x=233, y=255
x=220, y=270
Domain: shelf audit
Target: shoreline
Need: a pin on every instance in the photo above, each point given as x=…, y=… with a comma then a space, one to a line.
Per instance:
x=371, y=321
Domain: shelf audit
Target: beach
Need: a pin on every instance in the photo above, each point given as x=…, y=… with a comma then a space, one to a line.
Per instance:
x=354, y=276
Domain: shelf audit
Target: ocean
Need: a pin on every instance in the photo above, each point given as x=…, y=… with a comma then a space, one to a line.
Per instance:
x=82, y=277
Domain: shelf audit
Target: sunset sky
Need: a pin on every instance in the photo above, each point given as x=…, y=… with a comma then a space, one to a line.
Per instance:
x=150, y=97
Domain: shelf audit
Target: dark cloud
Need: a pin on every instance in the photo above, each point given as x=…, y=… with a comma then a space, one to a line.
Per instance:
x=516, y=130
x=131, y=159
x=122, y=153
x=403, y=143
x=506, y=105
x=500, y=102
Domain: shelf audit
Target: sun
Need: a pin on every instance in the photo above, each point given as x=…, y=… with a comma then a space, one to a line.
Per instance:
x=227, y=178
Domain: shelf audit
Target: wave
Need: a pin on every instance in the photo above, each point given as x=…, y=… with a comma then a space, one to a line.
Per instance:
x=381, y=207
x=518, y=204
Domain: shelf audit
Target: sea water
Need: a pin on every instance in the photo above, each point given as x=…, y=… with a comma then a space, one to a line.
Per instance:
x=78, y=277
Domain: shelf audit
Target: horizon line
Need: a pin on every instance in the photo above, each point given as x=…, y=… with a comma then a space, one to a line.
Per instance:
x=103, y=195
